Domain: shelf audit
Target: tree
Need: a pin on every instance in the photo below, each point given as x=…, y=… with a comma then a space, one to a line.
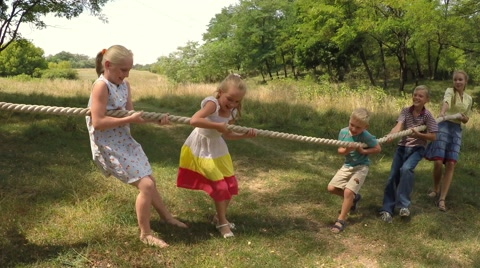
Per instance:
x=13, y=13
x=21, y=57
x=76, y=61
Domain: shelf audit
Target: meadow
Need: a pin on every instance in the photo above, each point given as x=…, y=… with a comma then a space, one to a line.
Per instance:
x=57, y=209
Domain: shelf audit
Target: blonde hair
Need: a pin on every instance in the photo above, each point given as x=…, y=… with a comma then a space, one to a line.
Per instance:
x=423, y=87
x=114, y=54
x=362, y=115
x=232, y=81
x=465, y=75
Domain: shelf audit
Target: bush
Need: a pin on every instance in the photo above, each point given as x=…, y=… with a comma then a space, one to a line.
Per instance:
x=22, y=77
x=69, y=74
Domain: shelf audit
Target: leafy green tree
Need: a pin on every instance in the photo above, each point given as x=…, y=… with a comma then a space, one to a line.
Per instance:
x=221, y=53
x=256, y=30
x=180, y=66
x=21, y=57
x=327, y=35
x=15, y=12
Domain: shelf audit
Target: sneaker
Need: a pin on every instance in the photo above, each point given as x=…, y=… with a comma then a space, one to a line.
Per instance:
x=355, y=201
x=386, y=217
x=404, y=212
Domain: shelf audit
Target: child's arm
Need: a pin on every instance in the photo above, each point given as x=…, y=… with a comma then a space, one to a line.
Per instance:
x=444, y=109
x=395, y=129
x=346, y=150
x=372, y=150
x=430, y=136
x=129, y=107
x=98, y=110
x=198, y=119
x=237, y=136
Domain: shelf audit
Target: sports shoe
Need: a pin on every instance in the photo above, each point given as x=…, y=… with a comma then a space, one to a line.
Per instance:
x=404, y=212
x=355, y=201
x=386, y=217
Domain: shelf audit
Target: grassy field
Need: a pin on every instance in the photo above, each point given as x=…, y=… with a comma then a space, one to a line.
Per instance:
x=57, y=210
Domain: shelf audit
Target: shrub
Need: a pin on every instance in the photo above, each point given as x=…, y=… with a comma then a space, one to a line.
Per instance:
x=69, y=74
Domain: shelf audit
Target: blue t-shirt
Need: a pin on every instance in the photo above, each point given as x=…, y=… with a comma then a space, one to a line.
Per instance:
x=354, y=158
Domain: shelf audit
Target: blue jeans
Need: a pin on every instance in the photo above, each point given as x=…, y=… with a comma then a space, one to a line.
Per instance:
x=400, y=182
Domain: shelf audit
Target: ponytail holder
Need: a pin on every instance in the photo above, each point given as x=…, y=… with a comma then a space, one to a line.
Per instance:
x=103, y=51
x=237, y=75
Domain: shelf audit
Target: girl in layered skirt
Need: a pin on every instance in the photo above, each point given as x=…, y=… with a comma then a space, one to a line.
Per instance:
x=205, y=162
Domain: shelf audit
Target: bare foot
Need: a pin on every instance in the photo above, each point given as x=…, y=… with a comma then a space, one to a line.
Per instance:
x=175, y=222
x=153, y=241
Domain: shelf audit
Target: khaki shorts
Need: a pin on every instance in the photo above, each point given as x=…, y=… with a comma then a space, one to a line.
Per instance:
x=351, y=178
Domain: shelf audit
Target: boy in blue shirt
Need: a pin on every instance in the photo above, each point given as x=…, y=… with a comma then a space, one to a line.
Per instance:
x=350, y=177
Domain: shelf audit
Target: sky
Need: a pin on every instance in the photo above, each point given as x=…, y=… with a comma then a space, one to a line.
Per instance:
x=150, y=28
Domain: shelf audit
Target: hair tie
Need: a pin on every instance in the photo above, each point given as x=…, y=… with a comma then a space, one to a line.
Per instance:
x=237, y=75
x=103, y=51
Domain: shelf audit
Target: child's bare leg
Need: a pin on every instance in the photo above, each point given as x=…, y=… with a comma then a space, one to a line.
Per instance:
x=437, y=174
x=447, y=180
x=142, y=206
x=221, y=208
x=162, y=210
x=335, y=190
x=347, y=203
x=215, y=217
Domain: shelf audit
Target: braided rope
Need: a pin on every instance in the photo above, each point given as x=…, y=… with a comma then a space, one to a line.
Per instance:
x=419, y=128
x=151, y=116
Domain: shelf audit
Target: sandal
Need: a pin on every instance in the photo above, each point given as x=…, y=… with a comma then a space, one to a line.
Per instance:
x=152, y=240
x=225, y=235
x=441, y=205
x=215, y=222
x=338, y=228
x=432, y=194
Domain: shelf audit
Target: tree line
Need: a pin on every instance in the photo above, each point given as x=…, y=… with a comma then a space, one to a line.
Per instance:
x=338, y=40
x=376, y=40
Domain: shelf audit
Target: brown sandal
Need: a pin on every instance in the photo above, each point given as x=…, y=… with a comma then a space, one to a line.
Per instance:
x=441, y=205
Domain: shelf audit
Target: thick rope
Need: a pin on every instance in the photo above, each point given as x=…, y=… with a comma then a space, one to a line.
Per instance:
x=150, y=116
x=419, y=128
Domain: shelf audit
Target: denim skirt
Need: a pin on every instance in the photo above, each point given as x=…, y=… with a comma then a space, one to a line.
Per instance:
x=446, y=145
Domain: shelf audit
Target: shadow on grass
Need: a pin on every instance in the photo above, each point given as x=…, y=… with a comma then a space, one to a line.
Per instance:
x=17, y=250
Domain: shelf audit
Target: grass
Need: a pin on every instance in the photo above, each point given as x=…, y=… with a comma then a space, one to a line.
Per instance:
x=57, y=210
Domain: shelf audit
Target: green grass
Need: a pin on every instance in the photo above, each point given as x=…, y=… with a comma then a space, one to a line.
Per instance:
x=57, y=210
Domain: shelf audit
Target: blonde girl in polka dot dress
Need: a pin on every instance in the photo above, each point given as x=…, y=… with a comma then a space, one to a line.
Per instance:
x=114, y=150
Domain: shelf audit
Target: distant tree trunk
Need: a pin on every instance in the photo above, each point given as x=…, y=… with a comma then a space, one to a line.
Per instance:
x=367, y=68
x=437, y=59
x=294, y=71
x=429, y=60
x=419, y=73
x=284, y=64
x=269, y=71
x=402, y=59
x=384, y=65
x=263, y=77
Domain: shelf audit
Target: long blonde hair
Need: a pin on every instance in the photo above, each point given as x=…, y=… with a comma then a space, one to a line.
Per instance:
x=232, y=81
x=465, y=75
x=114, y=54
